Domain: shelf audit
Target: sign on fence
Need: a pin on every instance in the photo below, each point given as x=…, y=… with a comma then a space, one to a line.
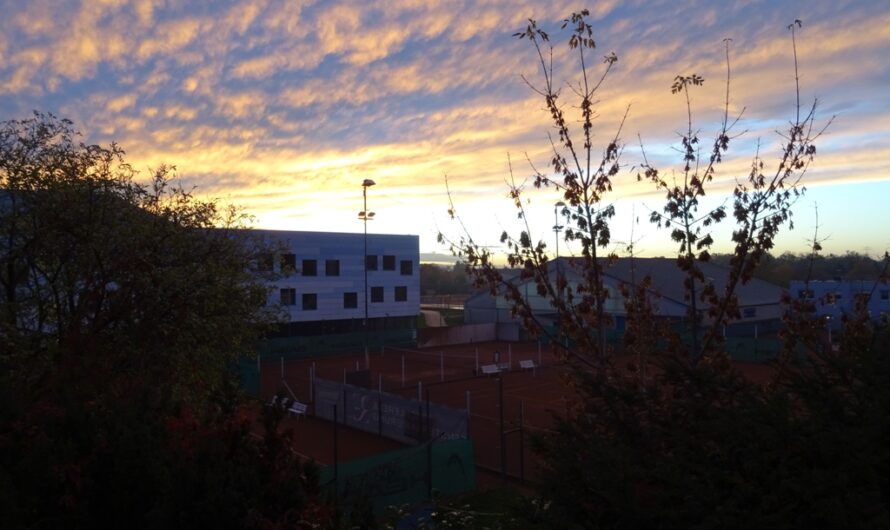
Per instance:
x=399, y=418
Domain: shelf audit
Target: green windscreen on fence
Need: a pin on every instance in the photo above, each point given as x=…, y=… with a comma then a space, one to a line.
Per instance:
x=301, y=347
x=249, y=375
x=402, y=477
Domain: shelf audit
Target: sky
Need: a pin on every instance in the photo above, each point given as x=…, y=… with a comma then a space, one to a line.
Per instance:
x=284, y=107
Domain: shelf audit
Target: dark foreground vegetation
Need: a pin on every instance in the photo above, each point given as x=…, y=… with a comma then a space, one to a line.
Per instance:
x=671, y=435
x=122, y=309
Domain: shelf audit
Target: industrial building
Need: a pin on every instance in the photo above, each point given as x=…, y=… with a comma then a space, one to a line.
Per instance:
x=317, y=282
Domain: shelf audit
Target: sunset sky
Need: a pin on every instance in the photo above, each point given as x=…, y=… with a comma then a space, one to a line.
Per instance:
x=284, y=107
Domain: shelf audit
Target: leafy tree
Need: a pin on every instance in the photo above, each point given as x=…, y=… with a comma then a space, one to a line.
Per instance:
x=438, y=279
x=689, y=441
x=122, y=308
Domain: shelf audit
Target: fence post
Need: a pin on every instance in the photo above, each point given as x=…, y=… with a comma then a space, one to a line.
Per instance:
x=441, y=366
x=420, y=391
x=521, y=444
x=336, y=462
x=477, y=360
x=379, y=414
x=344, y=376
x=379, y=382
x=510, y=358
x=403, y=370
x=503, y=437
x=468, y=414
x=429, y=449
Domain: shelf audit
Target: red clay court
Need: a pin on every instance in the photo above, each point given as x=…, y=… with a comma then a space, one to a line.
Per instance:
x=444, y=375
x=450, y=376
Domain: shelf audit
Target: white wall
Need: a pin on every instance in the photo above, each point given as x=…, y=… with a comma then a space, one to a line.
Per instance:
x=348, y=249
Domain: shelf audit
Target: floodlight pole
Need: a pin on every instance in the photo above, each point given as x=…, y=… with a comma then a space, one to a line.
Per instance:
x=556, y=229
x=365, y=216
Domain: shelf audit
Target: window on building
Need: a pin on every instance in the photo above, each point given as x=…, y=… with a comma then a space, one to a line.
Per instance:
x=310, y=267
x=749, y=312
x=389, y=263
x=371, y=262
x=350, y=300
x=885, y=294
x=376, y=294
x=265, y=262
x=401, y=294
x=332, y=267
x=288, y=263
x=406, y=267
x=310, y=301
x=288, y=296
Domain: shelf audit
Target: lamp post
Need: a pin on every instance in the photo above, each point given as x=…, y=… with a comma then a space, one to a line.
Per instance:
x=366, y=216
x=556, y=229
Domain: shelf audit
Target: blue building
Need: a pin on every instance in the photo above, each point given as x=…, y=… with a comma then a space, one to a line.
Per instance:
x=835, y=298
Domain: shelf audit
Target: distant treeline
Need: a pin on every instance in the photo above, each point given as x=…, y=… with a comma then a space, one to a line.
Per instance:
x=786, y=267
x=780, y=270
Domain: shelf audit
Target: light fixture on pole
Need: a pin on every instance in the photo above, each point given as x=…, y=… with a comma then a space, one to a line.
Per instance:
x=556, y=229
x=366, y=216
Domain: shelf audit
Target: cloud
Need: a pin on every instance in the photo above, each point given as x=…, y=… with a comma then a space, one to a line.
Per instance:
x=122, y=102
x=170, y=37
x=283, y=104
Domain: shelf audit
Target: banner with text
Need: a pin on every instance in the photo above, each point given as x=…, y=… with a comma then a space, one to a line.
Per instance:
x=399, y=418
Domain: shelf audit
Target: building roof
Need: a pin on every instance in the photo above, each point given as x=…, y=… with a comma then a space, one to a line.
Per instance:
x=667, y=279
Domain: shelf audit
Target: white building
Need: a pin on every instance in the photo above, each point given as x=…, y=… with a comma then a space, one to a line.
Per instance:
x=318, y=282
